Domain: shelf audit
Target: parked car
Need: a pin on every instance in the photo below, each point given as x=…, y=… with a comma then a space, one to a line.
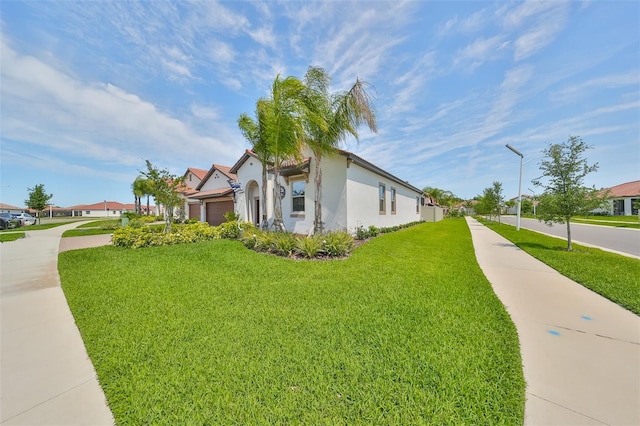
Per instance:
x=25, y=218
x=8, y=221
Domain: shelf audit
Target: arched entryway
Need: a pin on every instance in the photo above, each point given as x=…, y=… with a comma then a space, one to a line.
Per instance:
x=252, y=192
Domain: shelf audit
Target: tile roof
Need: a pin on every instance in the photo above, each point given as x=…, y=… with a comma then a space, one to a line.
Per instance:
x=199, y=173
x=111, y=205
x=629, y=189
x=9, y=207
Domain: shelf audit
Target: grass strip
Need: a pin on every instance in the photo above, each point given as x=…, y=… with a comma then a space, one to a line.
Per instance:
x=405, y=331
x=630, y=219
x=100, y=223
x=607, y=223
x=86, y=231
x=5, y=238
x=40, y=227
x=608, y=274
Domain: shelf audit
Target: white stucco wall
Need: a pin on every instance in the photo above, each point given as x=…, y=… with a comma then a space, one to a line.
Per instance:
x=349, y=197
x=216, y=181
x=363, y=201
x=101, y=213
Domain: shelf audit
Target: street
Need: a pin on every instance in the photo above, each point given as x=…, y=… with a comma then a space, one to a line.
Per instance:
x=624, y=240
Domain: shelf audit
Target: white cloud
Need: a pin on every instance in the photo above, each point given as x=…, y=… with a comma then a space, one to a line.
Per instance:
x=100, y=122
x=220, y=52
x=264, y=36
x=480, y=51
x=631, y=78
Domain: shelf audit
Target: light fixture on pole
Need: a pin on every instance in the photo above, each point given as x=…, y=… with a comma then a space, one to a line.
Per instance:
x=534, y=201
x=518, y=153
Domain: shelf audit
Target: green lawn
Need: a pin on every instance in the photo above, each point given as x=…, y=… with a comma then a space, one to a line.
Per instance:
x=5, y=238
x=85, y=231
x=39, y=227
x=405, y=331
x=100, y=223
x=616, y=221
x=610, y=275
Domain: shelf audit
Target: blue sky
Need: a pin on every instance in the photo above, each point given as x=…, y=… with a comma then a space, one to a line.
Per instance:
x=90, y=90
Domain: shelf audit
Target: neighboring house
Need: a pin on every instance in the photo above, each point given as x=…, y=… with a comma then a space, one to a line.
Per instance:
x=192, y=178
x=622, y=198
x=355, y=193
x=112, y=209
x=8, y=208
x=513, y=209
x=213, y=196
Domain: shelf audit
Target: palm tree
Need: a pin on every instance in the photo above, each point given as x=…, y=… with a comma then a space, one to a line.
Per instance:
x=434, y=193
x=138, y=187
x=329, y=119
x=282, y=130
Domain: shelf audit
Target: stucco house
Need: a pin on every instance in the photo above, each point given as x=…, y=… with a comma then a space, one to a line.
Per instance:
x=192, y=178
x=111, y=209
x=355, y=193
x=623, y=197
x=212, y=197
x=8, y=208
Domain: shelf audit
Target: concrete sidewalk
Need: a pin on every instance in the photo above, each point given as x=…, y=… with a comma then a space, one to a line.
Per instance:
x=580, y=351
x=45, y=372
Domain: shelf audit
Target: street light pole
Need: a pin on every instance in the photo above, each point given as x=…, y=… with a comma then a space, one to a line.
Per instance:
x=105, y=208
x=518, y=153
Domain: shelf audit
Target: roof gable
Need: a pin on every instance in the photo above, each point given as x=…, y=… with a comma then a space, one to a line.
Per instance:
x=247, y=155
x=224, y=170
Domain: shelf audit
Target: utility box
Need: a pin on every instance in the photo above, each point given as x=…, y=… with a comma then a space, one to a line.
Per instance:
x=124, y=221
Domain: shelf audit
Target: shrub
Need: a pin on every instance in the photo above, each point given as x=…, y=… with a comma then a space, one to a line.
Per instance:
x=309, y=247
x=284, y=243
x=137, y=223
x=231, y=216
x=149, y=236
x=230, y=230
x=336, y=244
x=131, y=215
x=110, y=225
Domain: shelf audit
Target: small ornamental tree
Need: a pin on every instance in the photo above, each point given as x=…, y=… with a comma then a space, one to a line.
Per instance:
x=166, y=188
x=563, y=171
x=38, y=199
x=490, y=202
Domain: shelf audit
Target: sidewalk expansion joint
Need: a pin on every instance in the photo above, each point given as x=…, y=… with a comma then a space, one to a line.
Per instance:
x=598, y=335
x=568, y=409
x=52, y=398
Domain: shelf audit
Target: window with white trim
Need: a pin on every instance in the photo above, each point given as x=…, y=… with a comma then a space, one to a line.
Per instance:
x=393, y=200
x=297, y=196
x=382, y=198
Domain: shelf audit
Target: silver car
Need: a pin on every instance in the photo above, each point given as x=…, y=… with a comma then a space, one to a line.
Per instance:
x=25, y=218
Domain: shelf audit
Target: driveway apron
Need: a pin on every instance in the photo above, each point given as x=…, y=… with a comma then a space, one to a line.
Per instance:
x=580, y=351
x=46, y=374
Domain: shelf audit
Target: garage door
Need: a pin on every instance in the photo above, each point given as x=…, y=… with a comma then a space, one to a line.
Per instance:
x=216, y=211
x=194, y=211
